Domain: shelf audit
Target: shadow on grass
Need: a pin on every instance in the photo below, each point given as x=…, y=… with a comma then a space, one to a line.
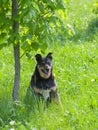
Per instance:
x=87, y=34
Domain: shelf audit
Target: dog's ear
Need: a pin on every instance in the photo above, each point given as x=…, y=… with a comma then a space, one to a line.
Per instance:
x=49, y=55
x=38, y=57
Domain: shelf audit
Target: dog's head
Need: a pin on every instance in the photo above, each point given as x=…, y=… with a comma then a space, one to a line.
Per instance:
x=44, y=65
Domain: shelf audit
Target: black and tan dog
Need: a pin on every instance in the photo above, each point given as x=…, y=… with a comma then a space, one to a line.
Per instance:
x=42, y=81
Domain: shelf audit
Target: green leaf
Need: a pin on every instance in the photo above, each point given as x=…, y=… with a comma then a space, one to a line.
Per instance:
x=26, y=46
x=3, y=36
x=35, y=45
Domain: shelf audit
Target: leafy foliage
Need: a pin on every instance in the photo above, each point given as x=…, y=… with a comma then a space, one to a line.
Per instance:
x=95, y=10
x=5, y=22
x=40, y=22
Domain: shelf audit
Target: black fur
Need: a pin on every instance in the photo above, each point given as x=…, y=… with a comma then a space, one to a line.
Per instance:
x=42, y=83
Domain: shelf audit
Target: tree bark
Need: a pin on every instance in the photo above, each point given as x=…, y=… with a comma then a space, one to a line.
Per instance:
x=16, y=46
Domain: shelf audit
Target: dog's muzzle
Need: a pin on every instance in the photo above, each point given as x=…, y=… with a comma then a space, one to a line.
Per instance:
x=45, y=71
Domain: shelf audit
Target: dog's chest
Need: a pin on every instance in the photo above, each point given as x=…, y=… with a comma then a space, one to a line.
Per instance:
x=45, y=84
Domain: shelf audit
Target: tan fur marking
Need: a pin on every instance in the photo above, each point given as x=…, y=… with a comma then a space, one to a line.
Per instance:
x=53, y=88
x=43, y=75
x=37, y=90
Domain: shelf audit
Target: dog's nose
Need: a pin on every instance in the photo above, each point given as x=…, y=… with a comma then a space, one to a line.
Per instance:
x=46, y=66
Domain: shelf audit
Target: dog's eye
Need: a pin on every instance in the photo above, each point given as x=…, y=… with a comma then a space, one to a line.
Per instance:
x=42, y=63
x=48, y=63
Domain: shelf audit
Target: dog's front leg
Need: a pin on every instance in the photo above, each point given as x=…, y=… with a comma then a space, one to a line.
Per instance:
x=54, y=96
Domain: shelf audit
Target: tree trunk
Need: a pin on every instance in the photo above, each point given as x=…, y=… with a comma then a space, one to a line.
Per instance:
x=16, y=46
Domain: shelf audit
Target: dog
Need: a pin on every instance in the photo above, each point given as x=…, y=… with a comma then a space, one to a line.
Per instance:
x=43, y=82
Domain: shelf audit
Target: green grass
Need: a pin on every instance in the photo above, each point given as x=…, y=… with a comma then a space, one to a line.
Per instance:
x=76, y=72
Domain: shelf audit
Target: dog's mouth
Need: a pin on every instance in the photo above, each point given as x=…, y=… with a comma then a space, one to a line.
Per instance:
x=45, y=71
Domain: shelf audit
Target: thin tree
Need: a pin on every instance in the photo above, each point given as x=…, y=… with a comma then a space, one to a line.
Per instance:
x=16, y=46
